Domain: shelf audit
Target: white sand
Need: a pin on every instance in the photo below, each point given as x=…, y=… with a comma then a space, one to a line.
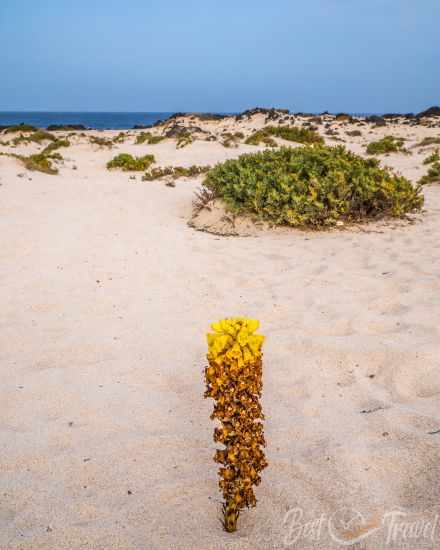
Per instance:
x=106, y=297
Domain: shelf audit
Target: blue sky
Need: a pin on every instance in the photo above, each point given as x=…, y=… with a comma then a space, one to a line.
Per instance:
x=224, y=55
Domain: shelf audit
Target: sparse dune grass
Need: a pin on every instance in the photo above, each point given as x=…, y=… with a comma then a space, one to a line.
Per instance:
x=120, y=138
x=231, y=139
x=149, y=138
x=20, y=128
x=128, y=163
x=175, y=172
x=433, y=157
x=101, y=141
x=311, y=186
x=108, y=142
x=433, y=175
x=184, y=140
x=40, y=163
x=388, y=144
x=35, y=137
x=261, y=136
x=288, y=133
x=429, y=141
x=43, y=161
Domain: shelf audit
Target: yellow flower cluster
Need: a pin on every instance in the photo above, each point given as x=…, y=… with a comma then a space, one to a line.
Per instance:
x=234, y=380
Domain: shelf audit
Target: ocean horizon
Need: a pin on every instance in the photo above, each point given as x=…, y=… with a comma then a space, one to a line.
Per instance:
x=99, y=120
x=90, y=119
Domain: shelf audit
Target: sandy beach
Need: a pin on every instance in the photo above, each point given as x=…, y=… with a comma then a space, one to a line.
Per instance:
x=107, y=294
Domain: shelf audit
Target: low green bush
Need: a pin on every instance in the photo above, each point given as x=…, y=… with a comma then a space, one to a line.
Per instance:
x=43, y=161
x=261, y=136
x=184, y=140
x=388, y=144
x=101, y=141
x=20, y=128
x=57, y=144
x=288, y=133
x=433, y=174
x=175, y=172
x=313, y=186
x=232, y=139
x=40, y=163
x=433, y=157
x=428, y=141
x=128, y=163
x=35, y=137
x=148, y=138
x=120, y=138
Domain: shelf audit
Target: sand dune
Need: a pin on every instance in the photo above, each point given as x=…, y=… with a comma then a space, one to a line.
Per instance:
x=106, y=296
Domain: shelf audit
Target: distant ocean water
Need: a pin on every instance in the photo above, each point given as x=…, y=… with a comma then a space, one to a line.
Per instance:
x=98, y=120
x=116, y=121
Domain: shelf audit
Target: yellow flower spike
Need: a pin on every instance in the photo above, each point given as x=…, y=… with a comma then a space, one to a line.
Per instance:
x=252, y=325
x=234, y=379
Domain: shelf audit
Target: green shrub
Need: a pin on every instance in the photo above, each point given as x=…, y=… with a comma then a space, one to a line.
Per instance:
x=20, y=128
x=433, y=174
x=107, y=142
x=184, y=140
x=148, y=138
x=175, y=172
x=299, y=135
x=101, y=141
x=128, y=163
x=288, y=133
x=120, y=138
x=388, y=144
x=57, y=144
x=65, y=127
x=36, y=137
x=261, y=136
x=40, y=163
x=231, y=139
x=354, y=133
x=429, y=141
x=433, y=157
x=311, y=186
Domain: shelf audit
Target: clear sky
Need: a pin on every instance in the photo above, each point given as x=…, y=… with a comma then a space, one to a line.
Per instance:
x=219, y=55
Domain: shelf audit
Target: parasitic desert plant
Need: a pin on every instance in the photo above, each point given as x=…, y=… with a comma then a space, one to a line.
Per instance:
x=234, y=380
x=128, y=163
x=314, y=186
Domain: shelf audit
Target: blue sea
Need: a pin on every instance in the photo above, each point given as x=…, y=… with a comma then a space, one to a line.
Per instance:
x=101, y=121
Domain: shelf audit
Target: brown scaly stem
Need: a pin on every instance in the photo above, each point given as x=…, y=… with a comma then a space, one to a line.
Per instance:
x=234, y=381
